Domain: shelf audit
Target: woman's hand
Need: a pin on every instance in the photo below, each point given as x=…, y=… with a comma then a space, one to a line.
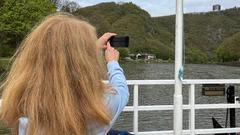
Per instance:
x=103, y=40
x=111, y=53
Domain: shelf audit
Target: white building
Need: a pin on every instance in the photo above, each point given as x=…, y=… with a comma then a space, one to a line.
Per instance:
x=216, y=7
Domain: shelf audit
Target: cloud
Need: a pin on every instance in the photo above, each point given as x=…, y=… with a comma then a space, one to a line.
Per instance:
x=167, y=7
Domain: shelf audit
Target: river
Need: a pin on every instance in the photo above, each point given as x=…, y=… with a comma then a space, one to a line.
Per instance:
x=163, y=95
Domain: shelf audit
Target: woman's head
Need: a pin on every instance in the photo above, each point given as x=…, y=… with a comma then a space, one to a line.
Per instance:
x=56, y=79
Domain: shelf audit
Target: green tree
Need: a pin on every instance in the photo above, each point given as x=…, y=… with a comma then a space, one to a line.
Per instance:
x=229, y=49
x=194, y=55
x=17, y=18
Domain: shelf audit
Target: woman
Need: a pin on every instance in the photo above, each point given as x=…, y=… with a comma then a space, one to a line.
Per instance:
x=55, y=83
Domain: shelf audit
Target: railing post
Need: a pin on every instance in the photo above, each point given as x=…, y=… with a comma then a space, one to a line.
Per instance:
x=231, y=99
x=192, y=109
x=178, y=69
x=135, y=112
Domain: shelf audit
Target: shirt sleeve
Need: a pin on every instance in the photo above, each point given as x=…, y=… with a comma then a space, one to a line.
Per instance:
x=116, y=101
x=23, y=121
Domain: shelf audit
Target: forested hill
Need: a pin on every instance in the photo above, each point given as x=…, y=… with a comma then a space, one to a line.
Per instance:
x=206, y=34
x=212, y=36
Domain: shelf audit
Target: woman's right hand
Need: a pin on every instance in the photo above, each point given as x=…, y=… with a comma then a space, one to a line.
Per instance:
x=111, y=53
x=103, y=40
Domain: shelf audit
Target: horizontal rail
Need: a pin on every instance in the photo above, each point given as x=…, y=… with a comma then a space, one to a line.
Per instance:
x=186, y=81
x=150, y=82
x=197, y=131
x=149, y=108
x=185, y=107
x=211, y=81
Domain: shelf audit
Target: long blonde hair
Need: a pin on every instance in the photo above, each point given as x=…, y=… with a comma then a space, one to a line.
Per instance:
x=56, y=79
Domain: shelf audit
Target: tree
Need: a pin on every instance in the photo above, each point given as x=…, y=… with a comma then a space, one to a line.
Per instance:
x=195, y=55
x=70, y=6
x=17, y=18
x=229, y=49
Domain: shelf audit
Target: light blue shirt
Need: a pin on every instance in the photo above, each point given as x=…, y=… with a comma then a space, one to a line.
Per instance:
x=115, y=101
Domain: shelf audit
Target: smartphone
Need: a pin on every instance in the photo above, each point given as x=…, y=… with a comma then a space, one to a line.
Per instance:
x=119, y=41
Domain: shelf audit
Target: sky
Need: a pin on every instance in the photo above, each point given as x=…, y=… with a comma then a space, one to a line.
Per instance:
x=167, y=7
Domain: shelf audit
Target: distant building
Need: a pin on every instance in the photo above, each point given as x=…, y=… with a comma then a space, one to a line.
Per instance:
x=150, y=56
x=144, y=56
x=138, y=56
x=216, y=7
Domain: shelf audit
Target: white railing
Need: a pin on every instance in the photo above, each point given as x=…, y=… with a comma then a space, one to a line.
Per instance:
x=191, y=106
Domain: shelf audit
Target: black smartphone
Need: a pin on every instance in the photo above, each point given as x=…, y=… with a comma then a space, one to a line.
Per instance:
x=119, y=41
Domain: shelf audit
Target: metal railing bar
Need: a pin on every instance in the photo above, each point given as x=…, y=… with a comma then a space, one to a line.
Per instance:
x=135, y=109
x=215, y=106
x=185, y=107
x=215, y=131
x=192, y=109
x=150, y=108
x=197, y=131
x=170, y=132
x=150, y=82
x=185, y=81
x=211, y=81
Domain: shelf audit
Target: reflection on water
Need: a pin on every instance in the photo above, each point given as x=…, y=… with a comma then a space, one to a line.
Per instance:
x=156, y=95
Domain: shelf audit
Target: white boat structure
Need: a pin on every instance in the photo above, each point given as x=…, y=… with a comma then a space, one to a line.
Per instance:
x=178, y=105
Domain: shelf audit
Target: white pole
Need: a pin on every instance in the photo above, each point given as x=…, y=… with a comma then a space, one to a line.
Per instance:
x=135, y=106
x=178, y=69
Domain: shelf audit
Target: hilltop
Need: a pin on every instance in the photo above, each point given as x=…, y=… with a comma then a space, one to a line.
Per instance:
x=129, y=19
x=204, y=32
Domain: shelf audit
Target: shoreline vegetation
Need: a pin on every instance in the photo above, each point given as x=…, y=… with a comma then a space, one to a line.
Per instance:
x=234, y=63
x=4, y=63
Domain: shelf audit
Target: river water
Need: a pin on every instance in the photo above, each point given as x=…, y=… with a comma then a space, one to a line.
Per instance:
x=163, y=95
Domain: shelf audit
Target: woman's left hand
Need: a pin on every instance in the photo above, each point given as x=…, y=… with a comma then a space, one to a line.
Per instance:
x=103, y=40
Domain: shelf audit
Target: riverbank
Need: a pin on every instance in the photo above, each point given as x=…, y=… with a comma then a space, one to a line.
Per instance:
x=234, y=64
x=5, y=61
x=146, y=61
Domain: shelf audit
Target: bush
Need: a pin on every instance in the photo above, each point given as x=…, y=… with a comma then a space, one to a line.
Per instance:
x=195, y=55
